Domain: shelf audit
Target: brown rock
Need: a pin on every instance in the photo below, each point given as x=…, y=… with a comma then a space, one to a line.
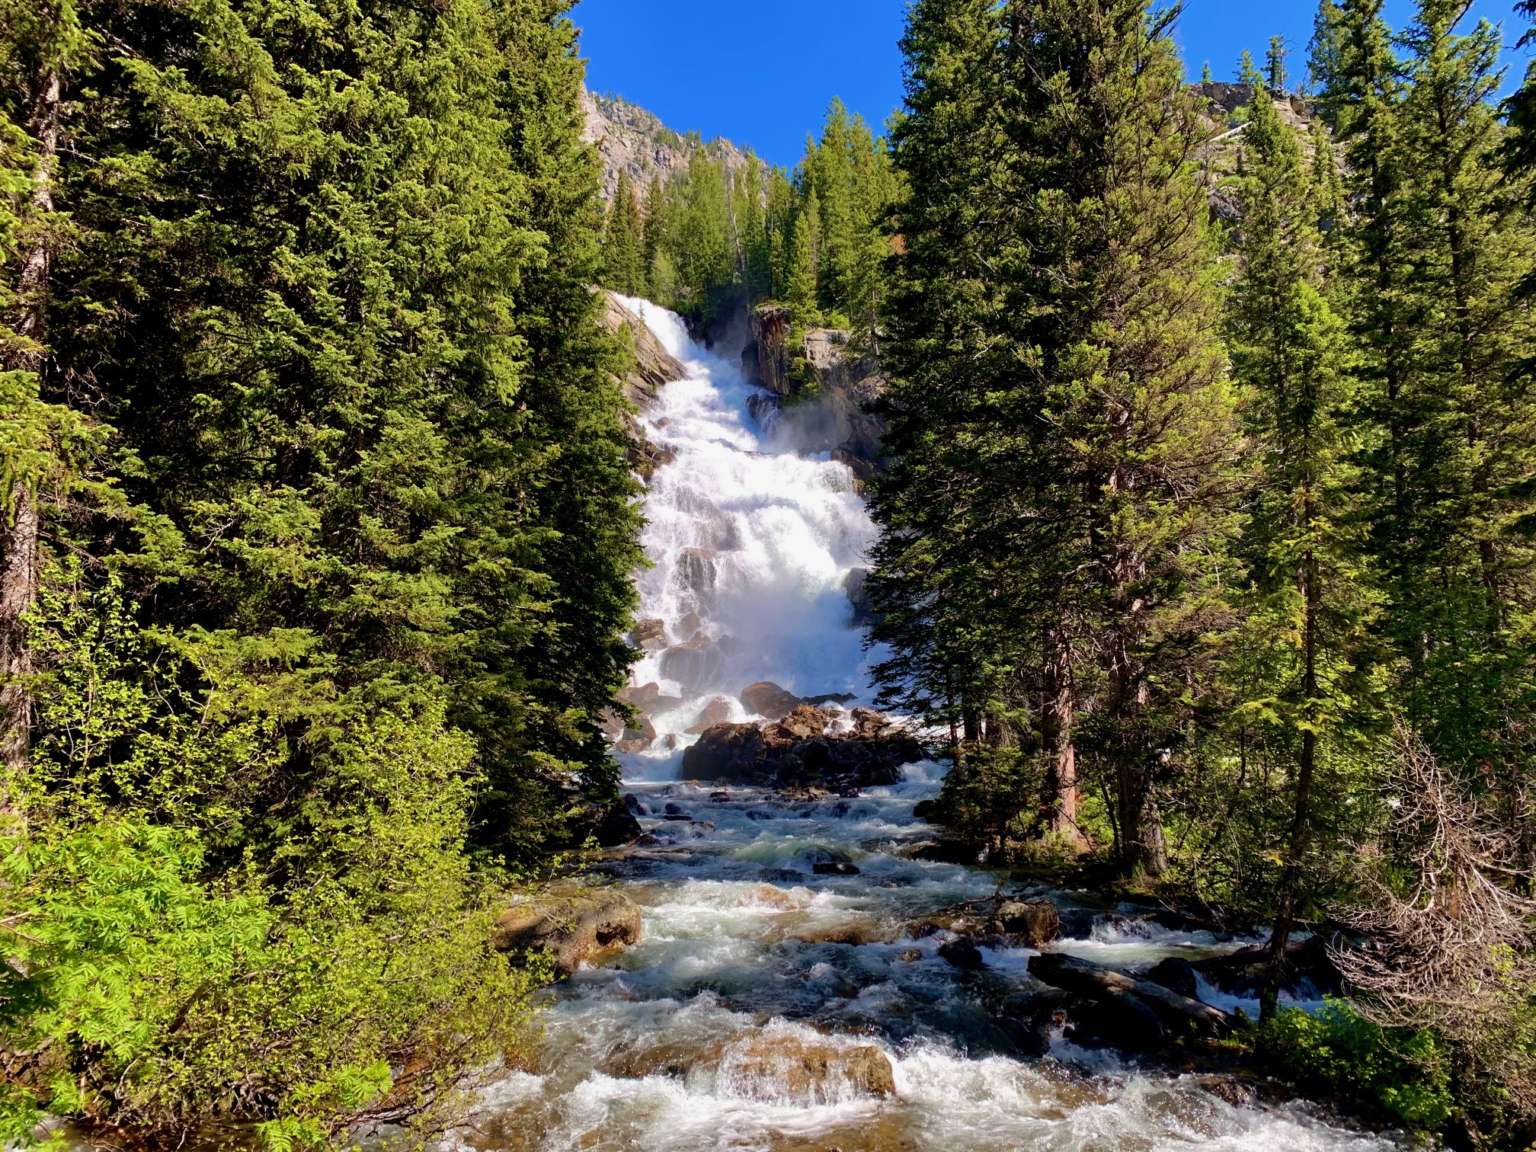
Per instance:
x=575, y=925
x=1030, y=923
x=637, y=736
x=651, y=635
x=785, y=1068
x=717, y=711
x=768, y=700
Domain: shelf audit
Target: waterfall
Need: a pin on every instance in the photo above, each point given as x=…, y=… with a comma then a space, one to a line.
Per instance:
x=752, y=544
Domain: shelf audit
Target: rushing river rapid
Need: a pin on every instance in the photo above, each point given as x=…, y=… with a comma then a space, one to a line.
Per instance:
x=769, y=1007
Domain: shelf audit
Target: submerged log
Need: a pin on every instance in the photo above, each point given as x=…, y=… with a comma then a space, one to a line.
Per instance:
x=1093, y=983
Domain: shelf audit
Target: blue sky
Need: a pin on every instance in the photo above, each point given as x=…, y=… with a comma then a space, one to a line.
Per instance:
x=763, y=74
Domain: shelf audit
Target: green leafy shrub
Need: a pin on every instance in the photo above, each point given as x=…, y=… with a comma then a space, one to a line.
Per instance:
x=1398, y=1075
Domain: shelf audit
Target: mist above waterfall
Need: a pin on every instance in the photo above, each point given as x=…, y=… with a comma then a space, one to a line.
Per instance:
x=752, y=541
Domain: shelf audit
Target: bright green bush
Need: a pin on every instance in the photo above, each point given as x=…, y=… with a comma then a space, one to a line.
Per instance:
x=1403, y=1076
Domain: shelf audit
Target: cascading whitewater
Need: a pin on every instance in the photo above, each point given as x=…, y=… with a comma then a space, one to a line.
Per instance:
x=752, y=546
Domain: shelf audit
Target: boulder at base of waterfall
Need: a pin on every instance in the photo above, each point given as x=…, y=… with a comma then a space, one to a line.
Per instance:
x=798, y=752
x=835, y=868
x=617, y=826
x=1114, y=1009
x=637, y=735
x=1028, y=923
x=717, y=711
x=574, y=924
x=768, y=700
x=692, y=664
x=777, y=1067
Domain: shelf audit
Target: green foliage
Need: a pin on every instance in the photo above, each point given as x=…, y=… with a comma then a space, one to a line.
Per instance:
x=1399, y=1076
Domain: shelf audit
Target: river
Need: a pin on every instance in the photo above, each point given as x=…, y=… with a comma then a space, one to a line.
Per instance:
x=769, y=1007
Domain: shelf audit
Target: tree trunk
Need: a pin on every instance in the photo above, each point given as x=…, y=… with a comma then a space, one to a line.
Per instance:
x=1056, y=727
x=1301, y=819
x=19, y=530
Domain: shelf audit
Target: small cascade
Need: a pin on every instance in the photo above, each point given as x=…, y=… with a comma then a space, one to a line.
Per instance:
x=753, y=548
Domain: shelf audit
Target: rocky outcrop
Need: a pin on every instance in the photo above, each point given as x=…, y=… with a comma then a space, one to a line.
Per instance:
x=630, y=139
x=768, y=700
x=822, y=384
x=1309, y=969
x=575, y=925
x=798, y=750
x=650, y=367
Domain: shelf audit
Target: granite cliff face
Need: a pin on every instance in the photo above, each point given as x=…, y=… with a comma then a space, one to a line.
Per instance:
x=628, y=138
x=819, y=382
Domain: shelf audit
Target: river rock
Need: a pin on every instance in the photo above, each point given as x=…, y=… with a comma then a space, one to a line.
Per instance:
x=695, y=574
x=804, y=723
x=796, y=752
x=1309, y=969
x=1029, y=923
x=780, y=1067
x=1176, y=973
x=768, y=700
x=1113, y=1007
x=1031, y=1018
x=618, y=826
x=855, y=584
x=575, y=925
x=835, y=868
x=638, y=735
x=963, y=954
x=692, y=664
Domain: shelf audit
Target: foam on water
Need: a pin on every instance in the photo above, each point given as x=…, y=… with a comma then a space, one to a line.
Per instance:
x=688, y=1041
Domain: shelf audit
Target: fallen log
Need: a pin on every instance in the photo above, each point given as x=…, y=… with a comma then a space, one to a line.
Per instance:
x=1092, y=982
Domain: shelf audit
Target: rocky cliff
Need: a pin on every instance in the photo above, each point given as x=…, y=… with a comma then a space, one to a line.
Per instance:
x=821, y=383
x=650, y=366
x=628, y=138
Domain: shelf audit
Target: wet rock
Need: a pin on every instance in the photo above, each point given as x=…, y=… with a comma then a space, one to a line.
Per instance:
x=760, y=814
x=1108, y=1003
x=618, y=826
x=1031, y=1018
x=835, y=868
x=650, y=635
x=855, y=584
x=853, y=935
x=692, y=664
x=1235, y=1091
x=925, y=809
x=910, y=955
x=805, y=723
x=963, y=954
x=782, y=876
x=717, y=711
x=768, y=700
x=635, y=805
x=947, y=851
x=672, y=808
x=797, y=750
x=1177, y=974
x=1116, y=1020
x=779, y=1067
x=575, y=925
x=637, y=736
x=720, y=797
x=696, y=573
x=840, y=809
x=1028, y=923
x=648, y=698
x=1309, y=969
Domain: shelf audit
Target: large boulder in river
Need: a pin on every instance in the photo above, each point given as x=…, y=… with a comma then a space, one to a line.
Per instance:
x=783, y=1068
x=575, y=925
x=798, y=751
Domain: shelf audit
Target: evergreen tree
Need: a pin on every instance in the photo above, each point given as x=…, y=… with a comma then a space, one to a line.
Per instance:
x=624, y=242
x=1463, y=569
x=805, y=260
x=1274, y=66
x=1304, y=554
